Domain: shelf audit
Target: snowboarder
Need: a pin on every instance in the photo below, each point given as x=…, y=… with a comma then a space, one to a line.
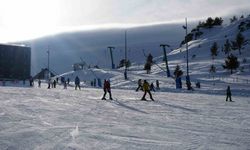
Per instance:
x=39, y=83
x=77, y=83
x=157, y=85
x=229, y=94
x=152, y=87
x=106, y=88
x=139, y=85
x=146, y=89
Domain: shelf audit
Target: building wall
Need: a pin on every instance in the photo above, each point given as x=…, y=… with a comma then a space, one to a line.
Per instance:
x=15, y=62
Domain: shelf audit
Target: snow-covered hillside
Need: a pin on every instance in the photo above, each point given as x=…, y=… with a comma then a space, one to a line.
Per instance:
x=200, y=61
x=67, y=48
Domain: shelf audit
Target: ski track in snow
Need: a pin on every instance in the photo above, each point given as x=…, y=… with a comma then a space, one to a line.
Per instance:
x=33, y=118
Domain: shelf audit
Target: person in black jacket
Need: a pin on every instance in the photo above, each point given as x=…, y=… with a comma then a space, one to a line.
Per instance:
x=107, y=88
x=139, y=85
x=229, y=94
x=77, y=83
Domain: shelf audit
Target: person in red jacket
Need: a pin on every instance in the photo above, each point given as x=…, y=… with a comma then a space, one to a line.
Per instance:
x=106, y=88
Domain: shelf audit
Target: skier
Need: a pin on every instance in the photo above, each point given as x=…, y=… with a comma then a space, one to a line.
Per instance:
x=31, y=81
x=77, y=83
x=139, y=85
x=49, y=83
x=157, y=85
x=54, y=83
x=62, y=79
x=146, y=89
x=39, y=83
x=198, y=84
x=106, y=88
x=68, y=80
x=65, y=85
x=152, y=87
x=229, y=94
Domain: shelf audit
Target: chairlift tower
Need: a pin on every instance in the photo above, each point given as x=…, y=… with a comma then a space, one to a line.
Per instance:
x=187, y=77
x=48, y=52
x=126, y=57
x=111, y=55
x=165, y=57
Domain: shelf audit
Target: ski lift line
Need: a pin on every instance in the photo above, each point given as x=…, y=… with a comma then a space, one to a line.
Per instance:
x=155, y=63
x=89, y=69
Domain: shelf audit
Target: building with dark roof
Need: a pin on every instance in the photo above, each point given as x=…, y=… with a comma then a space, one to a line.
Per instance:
x=15, y=62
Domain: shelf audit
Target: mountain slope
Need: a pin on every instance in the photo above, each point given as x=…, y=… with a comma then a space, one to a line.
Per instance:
x=67, y=48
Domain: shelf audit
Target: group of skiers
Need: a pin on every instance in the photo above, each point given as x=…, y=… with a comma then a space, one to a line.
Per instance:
x=147, y=88
x=142, y=85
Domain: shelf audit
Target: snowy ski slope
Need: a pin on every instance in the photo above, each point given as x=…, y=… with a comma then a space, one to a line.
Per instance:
x=33, y=118
x=59, y=119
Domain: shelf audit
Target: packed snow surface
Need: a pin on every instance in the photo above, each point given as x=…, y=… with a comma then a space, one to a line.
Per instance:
x=39, y=118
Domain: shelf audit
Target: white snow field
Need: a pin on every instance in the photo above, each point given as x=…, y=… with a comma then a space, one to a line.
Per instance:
x=41, y=118
x=66, y=119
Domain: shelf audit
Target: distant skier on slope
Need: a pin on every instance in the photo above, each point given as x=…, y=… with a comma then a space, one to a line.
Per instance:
x=54, y=84
x=77, y=83
x=106, y=88
x=49, y=82
x=157, y=85
x=68, y=81
x=31, y=81
x=146, y=89
x=39, y=83
x=139, y=85
x=65, y=85
x=229, y=94
x=152, y=87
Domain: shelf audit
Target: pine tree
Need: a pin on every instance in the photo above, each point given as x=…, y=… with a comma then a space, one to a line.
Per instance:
x=212, y=70
x=209, y=22
x=233, y=19
x=178, y=72
x=148, y=63
x=231, y=63
x=214, y=50
x=227, y=47
x=218, y=21
x=123, y=63
x=240, y=40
